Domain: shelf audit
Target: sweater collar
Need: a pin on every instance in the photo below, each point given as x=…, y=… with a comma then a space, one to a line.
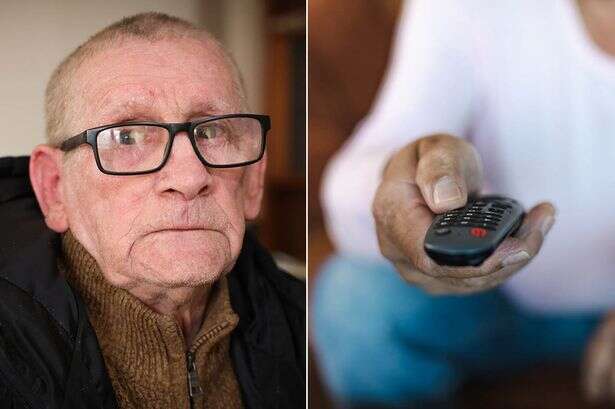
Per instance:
x=102, y=298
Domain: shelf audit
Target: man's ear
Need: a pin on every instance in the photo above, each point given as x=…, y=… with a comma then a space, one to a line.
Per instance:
x=45, y=176
x=254, y=187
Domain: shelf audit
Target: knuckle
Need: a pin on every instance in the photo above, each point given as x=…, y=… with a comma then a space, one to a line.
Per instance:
x=443, y=158
x=513, y=245
x=421, y=262
x=384, y=211
x=388, y=250
x=477, y=281
x=429, y=141
x=408, y=273
x=435, y=165
x=382, y=203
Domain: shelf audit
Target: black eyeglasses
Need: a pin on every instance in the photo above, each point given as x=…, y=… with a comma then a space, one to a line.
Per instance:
x=136, y=148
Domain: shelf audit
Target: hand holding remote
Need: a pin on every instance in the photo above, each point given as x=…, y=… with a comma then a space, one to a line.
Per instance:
x=431, y=176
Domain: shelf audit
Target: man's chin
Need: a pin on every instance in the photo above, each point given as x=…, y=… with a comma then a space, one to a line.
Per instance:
x=180, y=273
x=182, y=258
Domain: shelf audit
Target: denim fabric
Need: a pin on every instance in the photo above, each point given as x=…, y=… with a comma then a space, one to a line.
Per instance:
x=379, y=339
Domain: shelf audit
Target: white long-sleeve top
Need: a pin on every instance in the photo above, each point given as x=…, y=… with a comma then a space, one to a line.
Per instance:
x=525, y=83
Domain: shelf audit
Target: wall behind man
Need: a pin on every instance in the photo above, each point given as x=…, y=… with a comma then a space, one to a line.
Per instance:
x=35, y=35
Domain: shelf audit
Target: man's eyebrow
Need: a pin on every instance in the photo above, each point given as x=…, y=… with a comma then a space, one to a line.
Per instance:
x=201, y=110
x=127, y=110
x=138, y=110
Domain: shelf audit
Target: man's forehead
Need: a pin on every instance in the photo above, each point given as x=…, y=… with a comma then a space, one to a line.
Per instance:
x=143, y=80
x=135, y=101
x=171, y=49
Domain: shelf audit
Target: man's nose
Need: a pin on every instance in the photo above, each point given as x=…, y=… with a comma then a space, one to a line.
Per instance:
x=184, y=173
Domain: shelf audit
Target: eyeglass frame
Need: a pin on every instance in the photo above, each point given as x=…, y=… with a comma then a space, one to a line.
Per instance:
x=89, y=137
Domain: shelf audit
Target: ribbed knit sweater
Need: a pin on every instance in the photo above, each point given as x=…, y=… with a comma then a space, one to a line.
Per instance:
x=145, y=352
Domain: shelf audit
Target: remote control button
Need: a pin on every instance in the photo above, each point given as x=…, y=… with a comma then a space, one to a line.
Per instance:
x=478, y=218
x=478, y=232
x=442, y=224
x=501, y=206
x=443, y=231
x=482, y=224
x=477, y=222
x=488, y=226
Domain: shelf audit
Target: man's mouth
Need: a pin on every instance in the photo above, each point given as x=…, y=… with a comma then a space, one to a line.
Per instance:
x=184, y=229
x=179, y=229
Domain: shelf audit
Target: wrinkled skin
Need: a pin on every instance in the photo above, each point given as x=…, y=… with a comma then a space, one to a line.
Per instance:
x=163, y=236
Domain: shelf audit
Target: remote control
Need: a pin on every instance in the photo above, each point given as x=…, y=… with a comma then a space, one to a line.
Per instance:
x=468, y=235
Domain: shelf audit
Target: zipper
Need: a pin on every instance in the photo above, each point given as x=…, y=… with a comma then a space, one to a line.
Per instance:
x=194, y=387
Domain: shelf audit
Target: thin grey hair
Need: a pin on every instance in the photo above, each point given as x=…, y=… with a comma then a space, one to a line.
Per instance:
x=151, y=26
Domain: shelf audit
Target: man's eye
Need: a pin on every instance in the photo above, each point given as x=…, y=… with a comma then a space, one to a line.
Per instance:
x=206, y=132
x=128, y=136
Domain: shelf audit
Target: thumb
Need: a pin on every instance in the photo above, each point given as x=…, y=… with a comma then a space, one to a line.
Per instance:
x=449, y=170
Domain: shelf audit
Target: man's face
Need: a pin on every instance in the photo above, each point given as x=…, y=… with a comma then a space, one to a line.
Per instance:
x=183, y=225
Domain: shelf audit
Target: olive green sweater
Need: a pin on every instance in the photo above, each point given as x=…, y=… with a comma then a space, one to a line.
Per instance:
x=145, y=352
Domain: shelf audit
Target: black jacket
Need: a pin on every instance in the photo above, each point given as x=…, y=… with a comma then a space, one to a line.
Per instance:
x=49, y=355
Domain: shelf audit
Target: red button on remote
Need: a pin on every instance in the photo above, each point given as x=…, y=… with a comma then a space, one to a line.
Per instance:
x=478, y=232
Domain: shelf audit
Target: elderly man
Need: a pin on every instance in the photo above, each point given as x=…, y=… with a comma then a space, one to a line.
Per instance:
x=143, y=290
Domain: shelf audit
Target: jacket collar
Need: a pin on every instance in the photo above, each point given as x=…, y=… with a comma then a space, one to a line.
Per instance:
x=28, y=252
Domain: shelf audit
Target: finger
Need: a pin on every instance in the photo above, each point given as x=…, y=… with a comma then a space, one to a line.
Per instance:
x=428, y=283
x=512, y=249
x=402, y=220
x=512, y=254
x=489, y=280
x=437, y=285
x=540, y=218
x=523, y=246
x=448, y=170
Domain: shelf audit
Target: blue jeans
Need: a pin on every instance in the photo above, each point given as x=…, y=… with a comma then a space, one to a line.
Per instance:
x=380, y=340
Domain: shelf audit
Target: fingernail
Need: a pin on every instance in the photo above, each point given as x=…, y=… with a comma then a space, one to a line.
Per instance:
x=546, y=225
x=516, y=258
x=446, y=190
